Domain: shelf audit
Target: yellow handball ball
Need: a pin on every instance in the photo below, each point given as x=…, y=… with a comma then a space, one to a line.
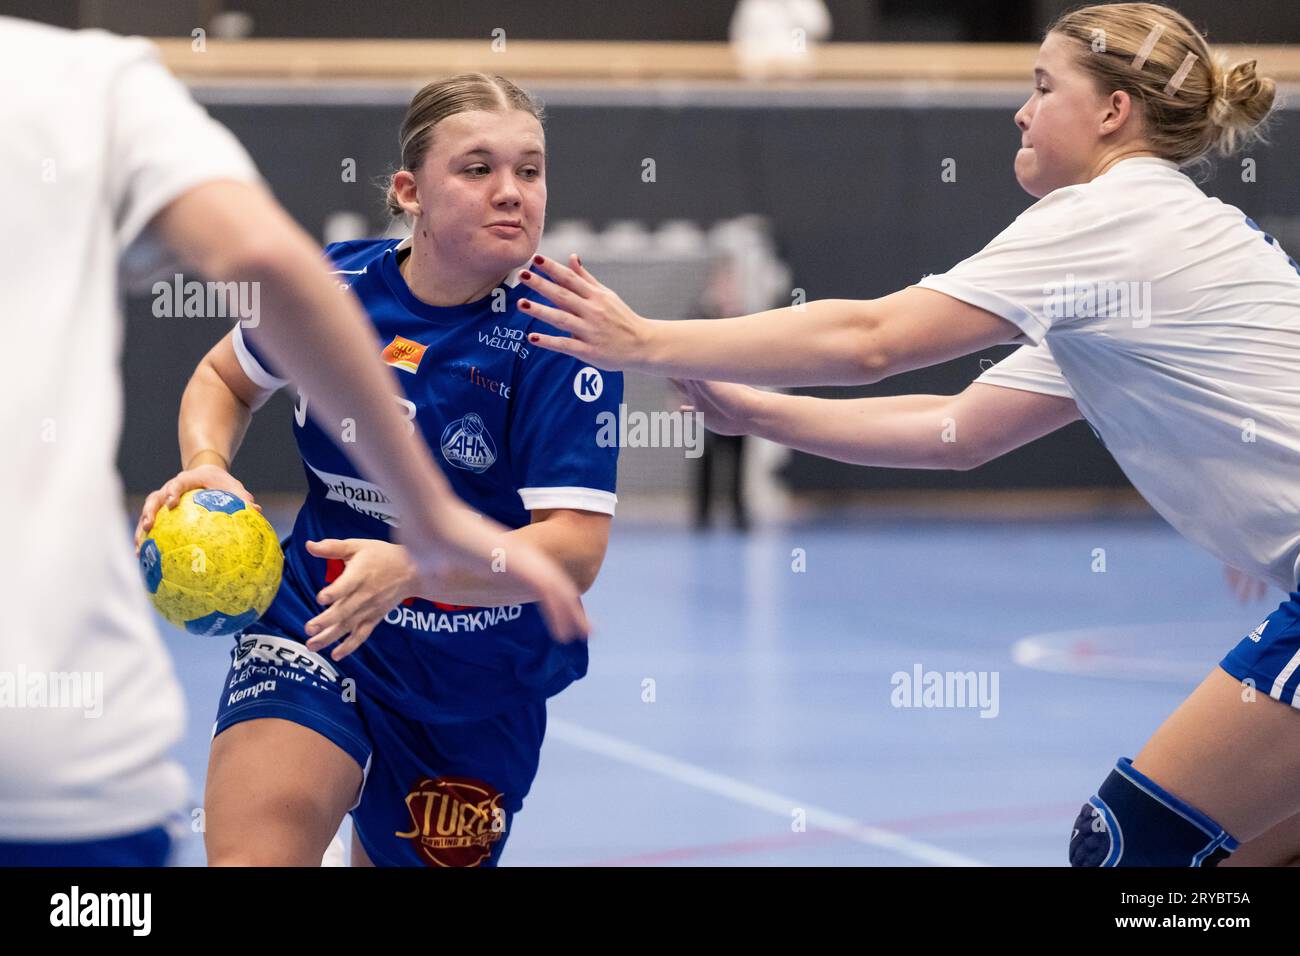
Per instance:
x=212, y=564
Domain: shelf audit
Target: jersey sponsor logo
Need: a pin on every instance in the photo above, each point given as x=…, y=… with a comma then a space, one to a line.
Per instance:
x=1258, y=633
x=266, y=686
x=507, y=339
x=277, y=651
x=441, y=618
x=466, y=443
x=359, y=495
x=252, y=673
x=588, y=384
x=404, y=354
x=470, y=373
x=455, y=821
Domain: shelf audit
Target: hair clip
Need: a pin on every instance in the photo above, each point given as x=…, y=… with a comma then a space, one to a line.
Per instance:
x=1152, y=39
x=1177, y=79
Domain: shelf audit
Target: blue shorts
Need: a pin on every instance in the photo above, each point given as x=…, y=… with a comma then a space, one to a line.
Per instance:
x=1269, y=656
x=149, y=847
x=433, y=794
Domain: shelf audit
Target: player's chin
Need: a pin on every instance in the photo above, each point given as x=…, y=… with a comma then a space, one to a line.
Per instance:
x=509, y=252
x=1029, y=175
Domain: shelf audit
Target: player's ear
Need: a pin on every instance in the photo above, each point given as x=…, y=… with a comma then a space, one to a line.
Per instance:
x=1119, y=107
x=404, y=192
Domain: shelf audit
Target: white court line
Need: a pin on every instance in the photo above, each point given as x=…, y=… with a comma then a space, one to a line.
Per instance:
x=745, y=793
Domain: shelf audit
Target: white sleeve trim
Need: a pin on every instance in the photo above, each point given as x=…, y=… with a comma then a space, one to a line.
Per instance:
x=252, y=367
x=1039, y=386
x=579, y=499
x=1032, y=327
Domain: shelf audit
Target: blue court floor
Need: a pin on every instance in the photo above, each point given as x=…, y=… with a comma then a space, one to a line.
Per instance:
x=740, y=711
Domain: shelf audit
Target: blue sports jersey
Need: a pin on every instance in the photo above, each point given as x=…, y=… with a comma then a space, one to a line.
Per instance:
x=514, y=428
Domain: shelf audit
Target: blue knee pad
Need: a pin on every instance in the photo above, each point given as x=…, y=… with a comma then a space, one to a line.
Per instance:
x=1133, y=821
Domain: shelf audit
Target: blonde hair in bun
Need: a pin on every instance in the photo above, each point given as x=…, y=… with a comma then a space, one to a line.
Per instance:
x=1142, y=48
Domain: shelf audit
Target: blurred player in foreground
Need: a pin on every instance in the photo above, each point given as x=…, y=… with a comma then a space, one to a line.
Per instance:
x=1167, y=319
x=105, y=150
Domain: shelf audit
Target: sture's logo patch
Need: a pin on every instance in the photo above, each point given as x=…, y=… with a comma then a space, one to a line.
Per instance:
x=454, y=820
x=404, y=354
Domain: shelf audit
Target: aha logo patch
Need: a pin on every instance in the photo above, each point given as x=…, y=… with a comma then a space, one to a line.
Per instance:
x=588, y=384
x=467, y=444
x=404, y=354
x=454, y=820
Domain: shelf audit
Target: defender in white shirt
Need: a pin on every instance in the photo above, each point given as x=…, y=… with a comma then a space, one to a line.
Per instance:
x=105, y=153
x=1165, y=318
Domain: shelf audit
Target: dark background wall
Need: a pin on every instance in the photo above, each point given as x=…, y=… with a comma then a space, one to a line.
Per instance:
x=854, y=193
x=1237, y=21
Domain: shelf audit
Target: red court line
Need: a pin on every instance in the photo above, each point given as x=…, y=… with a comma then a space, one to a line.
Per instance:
x=938, y=821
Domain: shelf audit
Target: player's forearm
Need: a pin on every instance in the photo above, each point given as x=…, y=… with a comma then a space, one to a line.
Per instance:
x=213, y=420
x=580, y=558
x=903, y=431
x=820, y=343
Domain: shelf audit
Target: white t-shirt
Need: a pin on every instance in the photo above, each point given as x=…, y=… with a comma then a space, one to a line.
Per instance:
x=1174, y=323
x=98, y=138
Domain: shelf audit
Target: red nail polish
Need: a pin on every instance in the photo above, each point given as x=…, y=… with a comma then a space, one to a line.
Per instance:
x=525, y=274
x=538, y=260
x=579, y=258
x=524, y=305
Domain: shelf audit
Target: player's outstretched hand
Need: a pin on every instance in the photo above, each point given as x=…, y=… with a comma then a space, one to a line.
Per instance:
x=455, y=538
x=377, y=576
x=169, y=495
x=726, y=409
x=1245, y=588
x=603, y=330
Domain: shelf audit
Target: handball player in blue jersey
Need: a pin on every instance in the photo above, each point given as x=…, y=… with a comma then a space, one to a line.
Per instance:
x=420, y=713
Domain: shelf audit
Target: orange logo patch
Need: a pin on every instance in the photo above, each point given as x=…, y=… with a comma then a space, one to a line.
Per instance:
x=404, y=354
x=454, y=820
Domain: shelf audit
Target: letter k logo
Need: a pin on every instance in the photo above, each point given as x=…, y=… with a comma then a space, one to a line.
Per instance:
x=588, y=384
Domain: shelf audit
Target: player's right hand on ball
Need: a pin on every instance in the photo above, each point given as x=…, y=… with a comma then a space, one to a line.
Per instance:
x=169, y=495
